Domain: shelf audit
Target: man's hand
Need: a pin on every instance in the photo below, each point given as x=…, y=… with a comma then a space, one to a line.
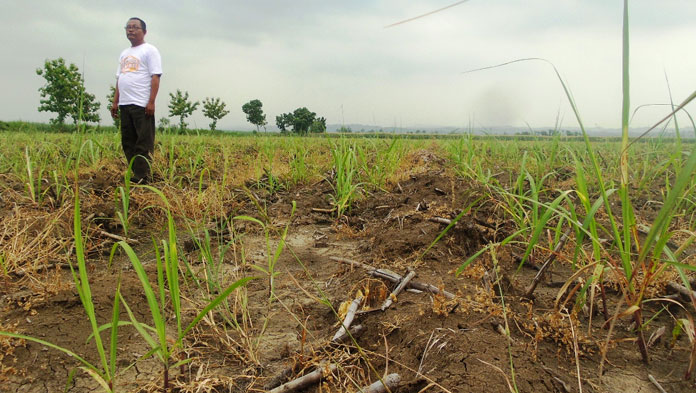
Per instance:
x=114, y=110
x=154, y=88
x=114, y=103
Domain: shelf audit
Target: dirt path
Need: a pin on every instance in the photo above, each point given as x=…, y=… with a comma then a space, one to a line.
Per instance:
x=434, y=343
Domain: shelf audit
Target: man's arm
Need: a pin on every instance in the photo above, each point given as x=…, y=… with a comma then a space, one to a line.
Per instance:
x=154, y=88
x=114, y=104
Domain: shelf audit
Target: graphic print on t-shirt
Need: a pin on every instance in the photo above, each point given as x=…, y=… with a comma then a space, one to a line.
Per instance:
x=130, y=64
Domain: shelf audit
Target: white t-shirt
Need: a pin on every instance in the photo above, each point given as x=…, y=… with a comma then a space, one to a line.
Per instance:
x=136, y=67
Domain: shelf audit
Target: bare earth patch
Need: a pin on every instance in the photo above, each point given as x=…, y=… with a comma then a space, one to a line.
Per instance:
x=434, y=343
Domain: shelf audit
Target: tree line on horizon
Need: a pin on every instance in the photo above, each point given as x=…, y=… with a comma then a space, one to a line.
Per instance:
x=65, y=95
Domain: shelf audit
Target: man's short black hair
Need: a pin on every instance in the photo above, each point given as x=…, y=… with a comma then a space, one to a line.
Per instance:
x=142, y=22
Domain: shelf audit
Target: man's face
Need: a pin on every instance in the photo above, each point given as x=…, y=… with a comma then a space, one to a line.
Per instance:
x=134, y=31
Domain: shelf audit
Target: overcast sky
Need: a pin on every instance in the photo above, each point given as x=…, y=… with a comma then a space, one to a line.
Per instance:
x=338, y=59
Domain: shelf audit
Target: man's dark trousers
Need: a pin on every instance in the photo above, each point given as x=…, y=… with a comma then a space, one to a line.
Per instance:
x=137, y=139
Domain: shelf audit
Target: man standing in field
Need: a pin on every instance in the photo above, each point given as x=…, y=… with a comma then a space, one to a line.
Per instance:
x=137, y=83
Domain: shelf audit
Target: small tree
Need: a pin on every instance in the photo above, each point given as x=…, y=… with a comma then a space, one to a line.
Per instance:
x=214, y=109
x=180, y=106
x=302, y=119
x=254, y=112
x=109, y=101
x=164, y=125
x=283, y=121
x=318, y=126
x=64, y=93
